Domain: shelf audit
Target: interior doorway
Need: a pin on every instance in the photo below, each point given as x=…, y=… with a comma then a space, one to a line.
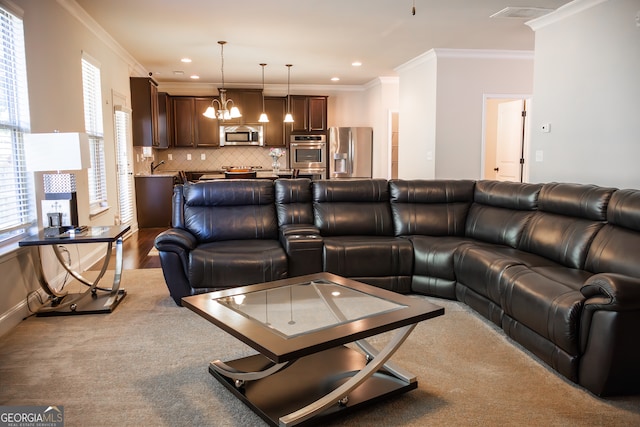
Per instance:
x=506, y=138
x=394, y=144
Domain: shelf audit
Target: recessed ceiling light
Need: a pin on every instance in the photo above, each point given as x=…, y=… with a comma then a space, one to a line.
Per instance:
x=356, y=63
x=194, y=77
x=186, y=60
x=335, y=79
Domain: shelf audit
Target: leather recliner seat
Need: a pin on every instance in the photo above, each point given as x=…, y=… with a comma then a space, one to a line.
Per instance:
x=225, y=234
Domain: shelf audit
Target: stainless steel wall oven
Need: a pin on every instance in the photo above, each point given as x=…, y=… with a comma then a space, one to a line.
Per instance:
x=308, y=152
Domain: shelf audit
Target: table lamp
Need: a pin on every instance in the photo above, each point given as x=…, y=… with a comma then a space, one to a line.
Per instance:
x=58, y=152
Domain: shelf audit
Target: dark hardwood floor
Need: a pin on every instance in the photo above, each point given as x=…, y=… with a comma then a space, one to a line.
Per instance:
x=135, y=251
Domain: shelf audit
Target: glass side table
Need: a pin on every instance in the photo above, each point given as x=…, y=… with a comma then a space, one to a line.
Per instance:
x=95, y=299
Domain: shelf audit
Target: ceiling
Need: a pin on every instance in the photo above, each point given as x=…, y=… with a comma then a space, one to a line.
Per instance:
x=321, y=39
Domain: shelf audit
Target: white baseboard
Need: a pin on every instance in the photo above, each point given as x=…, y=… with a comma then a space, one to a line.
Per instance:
x=21, y=311
x=12, y=317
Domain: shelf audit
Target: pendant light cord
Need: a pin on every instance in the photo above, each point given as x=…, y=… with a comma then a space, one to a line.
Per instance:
x=288, y=81
x=222, y=43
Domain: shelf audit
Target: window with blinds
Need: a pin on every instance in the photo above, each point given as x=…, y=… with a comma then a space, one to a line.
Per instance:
x=93, y=126
x=125, y=187
x=17, y=211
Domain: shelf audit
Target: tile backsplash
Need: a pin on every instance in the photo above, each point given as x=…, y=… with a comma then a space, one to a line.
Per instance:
x=214, y=158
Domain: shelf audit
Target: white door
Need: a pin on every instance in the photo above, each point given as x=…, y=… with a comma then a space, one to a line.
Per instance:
x=509, y=144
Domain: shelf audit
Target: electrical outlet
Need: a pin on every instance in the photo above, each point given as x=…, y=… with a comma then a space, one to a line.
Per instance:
x=546, y=127
x=188, y=156
x=169, y=156
x=203, y=156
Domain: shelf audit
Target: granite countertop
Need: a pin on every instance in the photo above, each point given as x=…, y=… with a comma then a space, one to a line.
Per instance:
x=158, y=174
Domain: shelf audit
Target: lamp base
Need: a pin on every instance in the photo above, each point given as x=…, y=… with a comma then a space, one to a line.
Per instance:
x=65, y=204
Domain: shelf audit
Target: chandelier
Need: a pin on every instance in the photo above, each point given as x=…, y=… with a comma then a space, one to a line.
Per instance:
x=223, y=108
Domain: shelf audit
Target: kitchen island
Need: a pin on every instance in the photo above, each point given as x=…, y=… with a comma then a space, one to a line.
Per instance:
x=153, y=198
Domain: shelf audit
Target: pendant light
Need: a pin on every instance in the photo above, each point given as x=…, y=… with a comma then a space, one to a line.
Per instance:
x=225, y=107
x=288, y=118
x=263, y=117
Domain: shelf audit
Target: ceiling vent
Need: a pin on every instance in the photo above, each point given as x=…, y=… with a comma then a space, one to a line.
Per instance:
x=522, y=12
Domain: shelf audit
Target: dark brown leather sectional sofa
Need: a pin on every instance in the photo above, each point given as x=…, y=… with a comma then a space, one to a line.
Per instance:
x=556, y=266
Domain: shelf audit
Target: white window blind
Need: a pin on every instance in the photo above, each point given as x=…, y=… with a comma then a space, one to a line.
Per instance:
x=94, y=128
x=125, y=189
x=17, y=212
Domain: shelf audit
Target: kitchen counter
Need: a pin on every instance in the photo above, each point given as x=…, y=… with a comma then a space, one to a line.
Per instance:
x=261, y=174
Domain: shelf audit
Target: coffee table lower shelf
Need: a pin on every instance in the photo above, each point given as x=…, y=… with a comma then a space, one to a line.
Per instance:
x=308, y=379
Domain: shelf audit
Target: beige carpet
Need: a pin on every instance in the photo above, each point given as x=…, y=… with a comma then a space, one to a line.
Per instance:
x=146, y=364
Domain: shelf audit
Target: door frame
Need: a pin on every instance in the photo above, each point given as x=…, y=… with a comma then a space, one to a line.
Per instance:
x=527, y=130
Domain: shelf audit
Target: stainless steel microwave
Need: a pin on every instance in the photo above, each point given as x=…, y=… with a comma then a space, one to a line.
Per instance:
x=241, y=135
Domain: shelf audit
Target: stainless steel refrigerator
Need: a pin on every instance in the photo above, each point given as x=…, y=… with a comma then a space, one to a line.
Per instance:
x=350, y=152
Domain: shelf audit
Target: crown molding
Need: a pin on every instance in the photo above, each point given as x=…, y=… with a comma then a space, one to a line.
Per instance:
x=434, y=54
x=382, y=80
x=563, y=12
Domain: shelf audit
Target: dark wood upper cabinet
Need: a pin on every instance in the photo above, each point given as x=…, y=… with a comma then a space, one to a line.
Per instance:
x=190, y=127
x=274, y=131
x=249, y=102
x=144, y=111
x=309, y=113
x=165, y=136
x=207, y=130
x=183, y=115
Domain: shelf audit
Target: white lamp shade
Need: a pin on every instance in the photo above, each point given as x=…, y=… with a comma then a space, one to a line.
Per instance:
x=57, y=151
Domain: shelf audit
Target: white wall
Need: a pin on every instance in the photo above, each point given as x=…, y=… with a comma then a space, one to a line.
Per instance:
x=464, y=78
x=417, y=108
x=441, y=105
x=381, y=99
x=587, y=86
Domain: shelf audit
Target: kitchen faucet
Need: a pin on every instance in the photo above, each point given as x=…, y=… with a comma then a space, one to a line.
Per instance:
x=156, y=166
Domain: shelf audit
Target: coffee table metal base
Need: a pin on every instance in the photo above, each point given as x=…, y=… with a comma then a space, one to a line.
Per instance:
x=308, y=380
x=316, y=386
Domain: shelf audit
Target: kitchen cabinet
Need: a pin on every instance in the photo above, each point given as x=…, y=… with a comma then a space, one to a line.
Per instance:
x=164, y=120
x=144, y=111
x=309, y=113
x=249, y=102
x=153, y=200
x=207, y=130
x=190, y=127
x=275, y=130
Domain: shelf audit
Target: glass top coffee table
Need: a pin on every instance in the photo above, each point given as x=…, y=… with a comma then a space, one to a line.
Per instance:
x=300, y=326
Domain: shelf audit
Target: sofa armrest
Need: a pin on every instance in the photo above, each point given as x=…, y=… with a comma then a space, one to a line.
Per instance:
x=609, y=335
x=175, y=240
x=612, y=292
x=294, y=229
x=303, y=245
